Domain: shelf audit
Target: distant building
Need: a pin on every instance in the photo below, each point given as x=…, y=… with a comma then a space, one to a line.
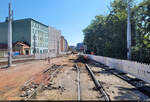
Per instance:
x=73, y=47
x=62, y=43
x=65, y=45
x=30, y=31
x=20, y=48
x=54, y=40
x=81, y=47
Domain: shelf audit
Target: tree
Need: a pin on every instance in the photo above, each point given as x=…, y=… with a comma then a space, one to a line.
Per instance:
x=106, y=35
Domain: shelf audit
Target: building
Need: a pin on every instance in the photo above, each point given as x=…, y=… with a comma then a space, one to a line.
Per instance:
x=20, y=48
x=54, y=40
x=30, y=31
x=80, y=47
x=65, y=45
x=3, y=50
x=62, y=43
x=73, y=48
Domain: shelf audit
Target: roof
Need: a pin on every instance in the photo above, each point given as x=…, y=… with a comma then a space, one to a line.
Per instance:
x=28, y=19
x=22, y=44
x=4, y=46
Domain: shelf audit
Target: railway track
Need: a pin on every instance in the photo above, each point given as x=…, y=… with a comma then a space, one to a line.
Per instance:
x=78, y=81
x=81, y=80
x=98, y=85
x=125, y=82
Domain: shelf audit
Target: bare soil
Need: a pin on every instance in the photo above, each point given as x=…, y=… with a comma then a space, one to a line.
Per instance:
x=65, y=84
x=13, y=78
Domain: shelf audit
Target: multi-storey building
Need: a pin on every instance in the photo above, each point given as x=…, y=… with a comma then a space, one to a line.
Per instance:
x=30, y=31
x=65, y=45
x=62, y=43
x=54, y=40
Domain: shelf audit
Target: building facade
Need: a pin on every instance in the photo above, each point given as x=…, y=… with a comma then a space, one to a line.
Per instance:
x=62, y=43
x=29, y=31
x=65, y=45
x=54, y=40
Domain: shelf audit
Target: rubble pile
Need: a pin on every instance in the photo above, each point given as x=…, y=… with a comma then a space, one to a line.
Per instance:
x=41, y=80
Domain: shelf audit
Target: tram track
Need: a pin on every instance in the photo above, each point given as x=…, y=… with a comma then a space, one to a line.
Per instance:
x=97, y=83
x=80, y=80
x=116, y=84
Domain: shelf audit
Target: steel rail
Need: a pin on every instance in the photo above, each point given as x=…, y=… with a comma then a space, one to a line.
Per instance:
x=98, y=84
x=78, y=79
x=41, y=85
x=134, y=82
x=52, y=75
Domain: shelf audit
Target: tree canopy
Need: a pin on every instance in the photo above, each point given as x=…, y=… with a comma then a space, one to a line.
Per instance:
x=107, y=35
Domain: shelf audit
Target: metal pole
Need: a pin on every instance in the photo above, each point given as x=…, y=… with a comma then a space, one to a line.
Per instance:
x=10, y=37
x=34, y=45
x=57, y=47
x=128, y=34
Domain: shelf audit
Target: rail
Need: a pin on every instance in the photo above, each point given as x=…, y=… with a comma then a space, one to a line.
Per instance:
x=98, y=84
x=139, y=70
x=78, y=79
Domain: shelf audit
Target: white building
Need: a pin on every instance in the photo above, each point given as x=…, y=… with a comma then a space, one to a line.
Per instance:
x=54, y=40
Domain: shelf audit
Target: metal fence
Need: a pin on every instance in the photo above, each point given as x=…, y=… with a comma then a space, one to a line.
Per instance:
x=45, y=55
x=139, y=70
x=3, y=53
x=51, y=55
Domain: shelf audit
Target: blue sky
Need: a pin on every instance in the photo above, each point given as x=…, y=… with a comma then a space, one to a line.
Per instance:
x=69, y=16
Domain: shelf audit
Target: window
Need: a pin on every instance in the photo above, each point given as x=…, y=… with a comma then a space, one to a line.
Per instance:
x=35, y=37
x=32, y=30
x=32, y=24
x=41, y=51
x=33, y=43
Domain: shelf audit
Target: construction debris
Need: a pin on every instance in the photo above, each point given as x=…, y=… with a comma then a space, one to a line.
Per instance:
x=41, y=82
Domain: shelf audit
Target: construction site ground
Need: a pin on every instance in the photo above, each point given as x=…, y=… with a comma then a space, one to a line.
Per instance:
x=63, y=85
x=13, y=78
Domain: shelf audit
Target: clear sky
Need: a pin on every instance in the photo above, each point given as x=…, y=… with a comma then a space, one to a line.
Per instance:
x=69, y=16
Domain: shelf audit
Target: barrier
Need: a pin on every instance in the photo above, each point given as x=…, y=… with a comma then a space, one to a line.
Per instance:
x=139, y=70
x=45, y=55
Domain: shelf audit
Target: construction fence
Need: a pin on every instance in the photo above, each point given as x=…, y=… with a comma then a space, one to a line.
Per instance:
x=45, y=55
